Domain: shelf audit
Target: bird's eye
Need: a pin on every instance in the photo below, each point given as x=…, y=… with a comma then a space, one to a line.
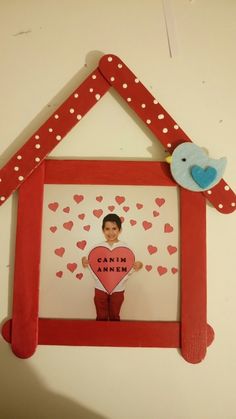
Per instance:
x=184, y=159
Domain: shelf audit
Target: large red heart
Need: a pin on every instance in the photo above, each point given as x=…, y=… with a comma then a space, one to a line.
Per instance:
x=111, y=265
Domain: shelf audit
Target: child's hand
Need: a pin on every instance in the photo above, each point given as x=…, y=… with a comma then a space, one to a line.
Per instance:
x=85, y=262
x=137, y=265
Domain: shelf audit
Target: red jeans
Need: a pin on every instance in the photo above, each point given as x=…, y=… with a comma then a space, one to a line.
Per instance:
x=108, y=305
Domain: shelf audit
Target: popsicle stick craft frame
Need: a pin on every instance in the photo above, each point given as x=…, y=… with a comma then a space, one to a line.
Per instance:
x=29, y=170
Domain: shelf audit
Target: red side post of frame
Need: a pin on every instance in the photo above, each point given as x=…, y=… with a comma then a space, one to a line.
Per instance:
x=193, y=276
x=27, y=263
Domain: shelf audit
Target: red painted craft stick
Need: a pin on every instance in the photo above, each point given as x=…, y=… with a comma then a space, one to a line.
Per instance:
x=27, y=263
x=193, y=276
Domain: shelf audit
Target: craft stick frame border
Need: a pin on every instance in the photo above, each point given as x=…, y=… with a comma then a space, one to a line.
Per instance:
x=25, y=330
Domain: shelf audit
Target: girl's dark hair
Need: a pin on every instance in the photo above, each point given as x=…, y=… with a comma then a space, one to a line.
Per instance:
x=114, y=218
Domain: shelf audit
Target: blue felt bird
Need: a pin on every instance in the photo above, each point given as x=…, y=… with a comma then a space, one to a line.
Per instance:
x=192, y=168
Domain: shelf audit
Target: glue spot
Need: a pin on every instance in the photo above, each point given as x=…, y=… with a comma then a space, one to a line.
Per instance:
x=97, y=96
x=2, y=198
x=56, y=116
x=125, y=85
x=94, y=76
x=37, y=159
x=76, y=95
x=72, y=110
x=119, y=65
x=16, y=168
x=128, y=99
x=169, y=145
x=148, y=121
x=143, y=105
x=112, y=78
x=37, y=146
x=109, y=59
x=160, y=116
x=220, y=205
x=19, y=157
x=36, y=137
x=79, y=117
x=136, y=80
x=91, y=90
x=176, y=126
x=226, y=188
x=233, y=204
x=209, y=192
x=58, y=137
x=50, y=129
x=165, y=130
x=155, y=102
x=21, y=178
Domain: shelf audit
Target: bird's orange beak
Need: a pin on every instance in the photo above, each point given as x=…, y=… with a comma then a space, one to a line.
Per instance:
x=168, y=159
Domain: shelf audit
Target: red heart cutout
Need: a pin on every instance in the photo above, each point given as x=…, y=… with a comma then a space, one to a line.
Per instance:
x=168, y=228
x=152, y=249
x=79, y=276
x=99, y=198
x=78, y=198
x=87, y=228
x=161, y=270
x=111, y=208
x=98, y=212
x=174, y=270
x=68, y=225
x=53, y=206
x=59, y=274
x=120, y=199
x=160, y=201
x=81, y=244
x=71, y=266
x=110, y=266
x=146, y=225
x=155, y=213
x=60, y=251
x=171, y=249
x=139, y=206
x=126, y=209
x=53, y=229
x=148, y=268
x=66, y=209
x=81, y=216
x=133, y=222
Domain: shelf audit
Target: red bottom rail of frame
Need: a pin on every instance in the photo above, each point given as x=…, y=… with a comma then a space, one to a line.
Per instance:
x=93, y=333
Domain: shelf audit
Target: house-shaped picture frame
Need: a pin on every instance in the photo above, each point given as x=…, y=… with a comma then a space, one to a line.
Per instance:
x=29, y=170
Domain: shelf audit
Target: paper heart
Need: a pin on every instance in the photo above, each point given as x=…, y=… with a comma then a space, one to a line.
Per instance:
x=161, y=270
x=81, y=244
x=174, y=270
x=68, y=225
x=79, y=276
x=155, y=213
x=81, y=216
x=133, y=222
x=171, y=249
x=139, y=206
x=152, y=249
x=66, y=209
x=120, y=199
x=126, y=209
x=71, y=267
x=60, y=251
x=87, y=228
x=59, y=274
x=53, y=229
x=148, y=268
x=160, y=201
x=203, y=177
x=78, y=198
x=111, y=208
x=53, y=206
x=110, y=266
x=168, y=228
x=146, y=225
x=97, y=213
x=99, y=198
